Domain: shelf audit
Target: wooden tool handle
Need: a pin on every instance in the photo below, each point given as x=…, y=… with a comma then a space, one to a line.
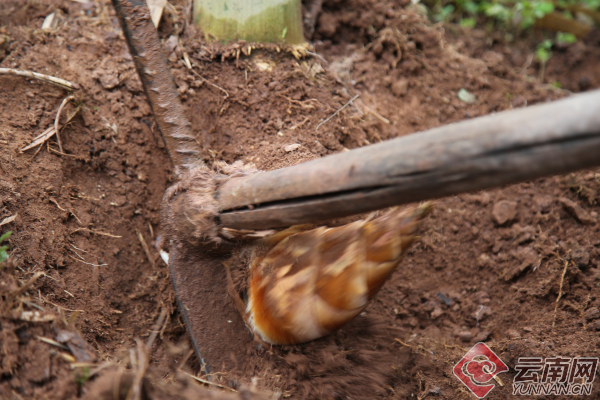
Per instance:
x=486, y=152
x=151, y=66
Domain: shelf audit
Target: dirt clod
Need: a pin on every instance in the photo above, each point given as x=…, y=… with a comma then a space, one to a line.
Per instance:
x=577, y=212
x=543, y=203
x=504, y=212
x=592, y=313
x=400, y=87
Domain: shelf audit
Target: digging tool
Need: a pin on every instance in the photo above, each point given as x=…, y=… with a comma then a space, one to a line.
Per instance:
x=205, y=211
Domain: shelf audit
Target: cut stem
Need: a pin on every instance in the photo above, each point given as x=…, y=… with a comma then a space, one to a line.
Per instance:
x=271, y=21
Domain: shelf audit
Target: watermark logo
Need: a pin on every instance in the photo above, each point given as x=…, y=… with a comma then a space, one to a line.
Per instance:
x=477, y=368
x=555, y=375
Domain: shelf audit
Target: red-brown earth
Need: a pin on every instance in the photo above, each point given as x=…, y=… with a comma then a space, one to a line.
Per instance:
x=489, y=266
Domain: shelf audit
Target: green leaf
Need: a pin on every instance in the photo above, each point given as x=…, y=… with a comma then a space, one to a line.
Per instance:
x=3, y=253
x=593, y=4
x=543, y=53
x=520, y=6
x=83, y=376
x=565, y=38
x=546, y=44
x=447, y=9
x=498, y=11
x=5, y=236
x=542, y=8
x=471, y=7
x=527, y=21
x=468, y=22
x=444, y=14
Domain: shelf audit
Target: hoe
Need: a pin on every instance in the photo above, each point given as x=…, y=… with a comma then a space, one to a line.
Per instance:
x=306, y=279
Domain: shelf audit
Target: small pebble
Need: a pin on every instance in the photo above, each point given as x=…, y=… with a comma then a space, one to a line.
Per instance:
x=466, y=96
x=581, y=258
x=400, y=87
x=445, y=299
x=437, y=312
x=484, y=261
x=513, y=334
x=435, y=390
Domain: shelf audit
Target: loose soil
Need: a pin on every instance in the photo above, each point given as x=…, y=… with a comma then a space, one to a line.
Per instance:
x=517, y=267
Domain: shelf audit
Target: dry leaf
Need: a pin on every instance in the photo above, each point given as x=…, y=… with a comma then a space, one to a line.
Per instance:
x=8, y=220
x=559, y=23
x=50, y=22
x=156, y=9
x=78, y=346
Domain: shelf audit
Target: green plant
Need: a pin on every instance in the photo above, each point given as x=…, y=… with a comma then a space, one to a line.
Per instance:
x=543, y=51
x=530, y=11
x=506, y=14
x=565, y=38
x=3, y=253
x=444, y=13
x=82, y=376
x=468, y=22
x=515, y=16
x=542, y=55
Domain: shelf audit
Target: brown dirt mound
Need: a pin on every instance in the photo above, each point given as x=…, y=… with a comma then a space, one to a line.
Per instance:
x=478, y=273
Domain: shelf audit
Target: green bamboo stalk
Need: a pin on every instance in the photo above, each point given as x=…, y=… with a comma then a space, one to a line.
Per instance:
x=271, y=21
